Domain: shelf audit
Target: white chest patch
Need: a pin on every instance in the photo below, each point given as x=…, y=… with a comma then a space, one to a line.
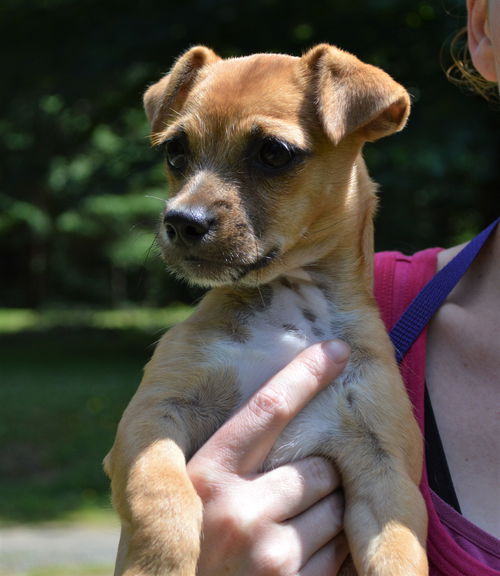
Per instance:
x=295, y=315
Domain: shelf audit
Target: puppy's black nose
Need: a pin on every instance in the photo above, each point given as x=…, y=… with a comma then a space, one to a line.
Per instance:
x=187, y=226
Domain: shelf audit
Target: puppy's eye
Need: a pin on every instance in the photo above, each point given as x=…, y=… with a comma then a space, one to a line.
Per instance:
x=275, y=154
x=176, y=153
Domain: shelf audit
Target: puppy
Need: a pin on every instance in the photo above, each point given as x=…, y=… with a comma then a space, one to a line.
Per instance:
x=271, y=206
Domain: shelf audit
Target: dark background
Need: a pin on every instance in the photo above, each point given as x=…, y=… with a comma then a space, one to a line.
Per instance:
x=80, y=189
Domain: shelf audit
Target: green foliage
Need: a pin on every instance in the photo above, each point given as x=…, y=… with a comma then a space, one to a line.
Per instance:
x=78, y=180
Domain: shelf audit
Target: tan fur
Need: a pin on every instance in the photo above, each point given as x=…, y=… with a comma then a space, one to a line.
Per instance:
x=288, y=254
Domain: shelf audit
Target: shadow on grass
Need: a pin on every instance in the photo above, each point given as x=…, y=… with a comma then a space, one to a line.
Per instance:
x=62, y=392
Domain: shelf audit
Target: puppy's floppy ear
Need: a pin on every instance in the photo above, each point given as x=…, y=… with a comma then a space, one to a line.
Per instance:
x=163, y=99
x=353, y=96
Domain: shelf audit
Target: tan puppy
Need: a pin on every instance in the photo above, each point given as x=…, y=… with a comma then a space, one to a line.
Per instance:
x=271, y=206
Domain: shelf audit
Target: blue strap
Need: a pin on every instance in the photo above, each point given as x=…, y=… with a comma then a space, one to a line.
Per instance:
x=418, y=314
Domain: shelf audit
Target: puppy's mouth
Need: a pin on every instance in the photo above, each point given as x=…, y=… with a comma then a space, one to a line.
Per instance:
x=209, y=248
x=261, y=263
x=212, y=272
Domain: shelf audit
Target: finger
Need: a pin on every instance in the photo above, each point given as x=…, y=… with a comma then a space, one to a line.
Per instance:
x=328, y=560
x=315, y=527
x=242, y=444
x=291, y=489
x=286, y=547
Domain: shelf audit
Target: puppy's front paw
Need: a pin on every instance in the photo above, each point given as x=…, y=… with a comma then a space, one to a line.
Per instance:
x=163, y=542
x=161, y=516
x=396, y=552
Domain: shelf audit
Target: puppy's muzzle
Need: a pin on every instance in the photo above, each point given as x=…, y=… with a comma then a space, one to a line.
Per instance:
x=188, y=227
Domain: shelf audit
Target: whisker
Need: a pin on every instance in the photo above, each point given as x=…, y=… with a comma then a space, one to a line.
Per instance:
x=153, y=243
x=154, y=198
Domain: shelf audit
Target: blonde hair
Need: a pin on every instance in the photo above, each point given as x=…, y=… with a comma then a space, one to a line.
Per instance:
x=463, y=73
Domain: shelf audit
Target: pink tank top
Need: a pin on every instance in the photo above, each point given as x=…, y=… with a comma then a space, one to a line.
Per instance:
x=455, y=546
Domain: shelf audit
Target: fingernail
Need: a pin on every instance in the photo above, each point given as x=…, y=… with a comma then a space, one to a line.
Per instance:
x=337, y=350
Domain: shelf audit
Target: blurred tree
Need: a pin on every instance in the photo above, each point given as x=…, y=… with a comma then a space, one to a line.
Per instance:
x=80, y=189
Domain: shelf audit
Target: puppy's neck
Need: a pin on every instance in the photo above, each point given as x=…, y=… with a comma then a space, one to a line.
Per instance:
x=338, y=251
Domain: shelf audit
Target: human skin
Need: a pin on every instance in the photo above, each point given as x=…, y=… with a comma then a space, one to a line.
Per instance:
x=484, y=37
x=289, y=521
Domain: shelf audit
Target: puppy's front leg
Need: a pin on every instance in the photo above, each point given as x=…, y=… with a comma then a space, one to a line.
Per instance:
x=385, y=523
x=380, y=460
x=159, y=509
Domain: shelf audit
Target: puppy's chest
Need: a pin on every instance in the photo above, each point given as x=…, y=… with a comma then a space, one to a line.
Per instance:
x=286, y=318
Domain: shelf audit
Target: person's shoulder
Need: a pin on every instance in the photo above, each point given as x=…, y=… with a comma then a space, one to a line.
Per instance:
x=445, y=256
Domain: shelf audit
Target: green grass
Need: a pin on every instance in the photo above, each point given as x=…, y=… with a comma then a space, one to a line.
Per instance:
x=17, y=320
x=63, y=386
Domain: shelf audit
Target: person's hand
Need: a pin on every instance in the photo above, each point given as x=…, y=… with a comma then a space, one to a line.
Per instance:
x=287, y=521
